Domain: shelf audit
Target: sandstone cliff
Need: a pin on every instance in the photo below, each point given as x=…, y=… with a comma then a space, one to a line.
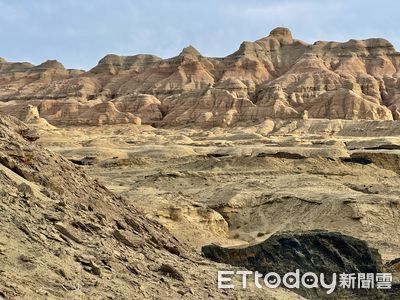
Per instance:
x=274, y=77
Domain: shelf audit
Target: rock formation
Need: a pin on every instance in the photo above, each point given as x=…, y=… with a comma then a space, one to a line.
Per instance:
x=274, y=77
x=30, y=115
x=312, y=251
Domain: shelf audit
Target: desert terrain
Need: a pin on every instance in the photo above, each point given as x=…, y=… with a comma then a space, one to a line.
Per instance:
x=143, y=177
x=244, y=184
x=239, y=186
x=65, y=235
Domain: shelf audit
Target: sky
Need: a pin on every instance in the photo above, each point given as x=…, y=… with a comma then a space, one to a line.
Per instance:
x=79, y=33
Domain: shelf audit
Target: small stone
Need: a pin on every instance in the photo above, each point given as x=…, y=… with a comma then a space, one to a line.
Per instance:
x=25, y=189
x=128, y=238
x=85, y=259
x=171, y=271
x=54, y=216
x=62, y=229
x=95, y=268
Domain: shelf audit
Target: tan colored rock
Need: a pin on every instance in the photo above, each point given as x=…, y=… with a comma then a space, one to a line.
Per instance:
x=30, y=115
x=137, y=121
x=274, y=77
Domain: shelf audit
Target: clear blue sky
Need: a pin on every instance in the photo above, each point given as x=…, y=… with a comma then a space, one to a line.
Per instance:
x=80, y=32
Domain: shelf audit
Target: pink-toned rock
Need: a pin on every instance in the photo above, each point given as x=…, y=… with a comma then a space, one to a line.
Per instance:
x=274, y=77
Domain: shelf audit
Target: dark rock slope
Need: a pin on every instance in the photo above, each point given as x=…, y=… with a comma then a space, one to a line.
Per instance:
x=312, y=251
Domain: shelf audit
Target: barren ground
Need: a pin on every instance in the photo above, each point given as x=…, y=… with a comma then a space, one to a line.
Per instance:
x=239, y=186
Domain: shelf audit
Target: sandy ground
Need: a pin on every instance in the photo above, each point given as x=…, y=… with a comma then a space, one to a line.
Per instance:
x=239, y=186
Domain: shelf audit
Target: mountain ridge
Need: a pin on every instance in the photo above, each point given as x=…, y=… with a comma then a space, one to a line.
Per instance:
x=275, y=77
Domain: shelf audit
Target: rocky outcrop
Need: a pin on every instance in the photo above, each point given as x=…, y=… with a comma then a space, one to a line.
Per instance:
x=312, y=251
x=275, y=77
x=113, y=64
x=31, y=116
x=386, y=160
x=49, y=65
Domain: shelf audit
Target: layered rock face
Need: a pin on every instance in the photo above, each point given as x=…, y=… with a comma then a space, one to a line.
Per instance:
x=274, y=77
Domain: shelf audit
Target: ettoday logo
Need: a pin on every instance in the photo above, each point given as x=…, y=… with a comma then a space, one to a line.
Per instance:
x=308, y=280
